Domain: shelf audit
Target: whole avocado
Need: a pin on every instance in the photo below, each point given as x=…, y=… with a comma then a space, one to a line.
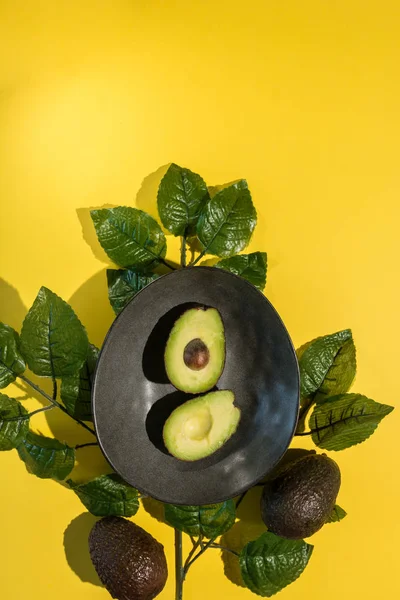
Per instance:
x=297, y=502
x=129, y=561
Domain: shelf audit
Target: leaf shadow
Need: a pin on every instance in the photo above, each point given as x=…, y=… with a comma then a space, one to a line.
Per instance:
x=89, y=232
x=90, y=302
x=76, y=548
x=90, y=463
x=146, y=198
x=249, y=527
x=12, y=309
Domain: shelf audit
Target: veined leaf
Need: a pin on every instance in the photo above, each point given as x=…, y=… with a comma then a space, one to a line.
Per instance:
x=270, y=563
x=337, y=514
x=129, y=236
x=252, y=267
x=76, y=390
x=210, y=521
x=11, y=361
x=13, y=422
x=345, y=420
x=123, y=285
x=181, y=196
x=227, y=221
x=327, y=364
x=46, y=457
x=107, y=495
x=53, y=340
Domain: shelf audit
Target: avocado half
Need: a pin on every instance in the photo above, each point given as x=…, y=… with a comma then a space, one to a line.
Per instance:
x=201, y=426
x=195, y=351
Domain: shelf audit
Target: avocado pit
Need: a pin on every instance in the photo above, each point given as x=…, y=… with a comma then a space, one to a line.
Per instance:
x=198, y=426
x=196, y=355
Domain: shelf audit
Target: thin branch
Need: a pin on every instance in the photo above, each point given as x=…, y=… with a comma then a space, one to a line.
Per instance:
x=192, y=264
x=304, y=433
x=225, y=549
x=190, y=555
x=54, y=388
x=164, y=262
x=241, y=498
x=55, y=402
x=190, y=562
x=29, y=415
x=183, y=250
x=179, y=572
x=79, y=446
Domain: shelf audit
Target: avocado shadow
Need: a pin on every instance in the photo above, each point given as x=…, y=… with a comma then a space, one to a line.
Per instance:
x=76, y=548
x=146, y=198
x=12, y=309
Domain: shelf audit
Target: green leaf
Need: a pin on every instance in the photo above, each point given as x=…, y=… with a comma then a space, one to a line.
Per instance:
x=210, y=521
x=76, y=390
x=252, y=267
x=270, y=563
x=13, y=422
x=53, y=340
x=337, y=514
x=227, y=221
x=327, y=364
x=129, y=236
x=124, y=284
x=11, y=361
x=46, y=457
x=181, y=196
x=345, y=420
x=107, y=495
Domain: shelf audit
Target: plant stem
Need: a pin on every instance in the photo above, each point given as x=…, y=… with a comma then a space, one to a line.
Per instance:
x=54, y=388
x=196, y=544
x=224, y=548
x=164, y=262
x=190, y=562
x=241, y=498
x=85, y=445
x=55, y=402
x=192, y=264
x=183, y=251
x=179, y=573
x=29, y=415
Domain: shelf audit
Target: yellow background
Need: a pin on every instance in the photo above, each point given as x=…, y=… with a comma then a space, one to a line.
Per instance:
x=302, y=99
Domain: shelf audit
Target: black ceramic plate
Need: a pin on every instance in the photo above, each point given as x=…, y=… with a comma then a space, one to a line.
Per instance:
x=132, y=396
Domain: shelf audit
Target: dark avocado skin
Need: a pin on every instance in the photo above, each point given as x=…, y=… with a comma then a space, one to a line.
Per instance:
x=297, y=502
x=129, y=561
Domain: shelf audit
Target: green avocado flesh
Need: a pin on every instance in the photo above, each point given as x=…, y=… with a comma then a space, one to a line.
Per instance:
x=195, y=351
x=200, y=426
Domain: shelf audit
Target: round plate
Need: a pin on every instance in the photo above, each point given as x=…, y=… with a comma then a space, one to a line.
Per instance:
x=132, y=396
